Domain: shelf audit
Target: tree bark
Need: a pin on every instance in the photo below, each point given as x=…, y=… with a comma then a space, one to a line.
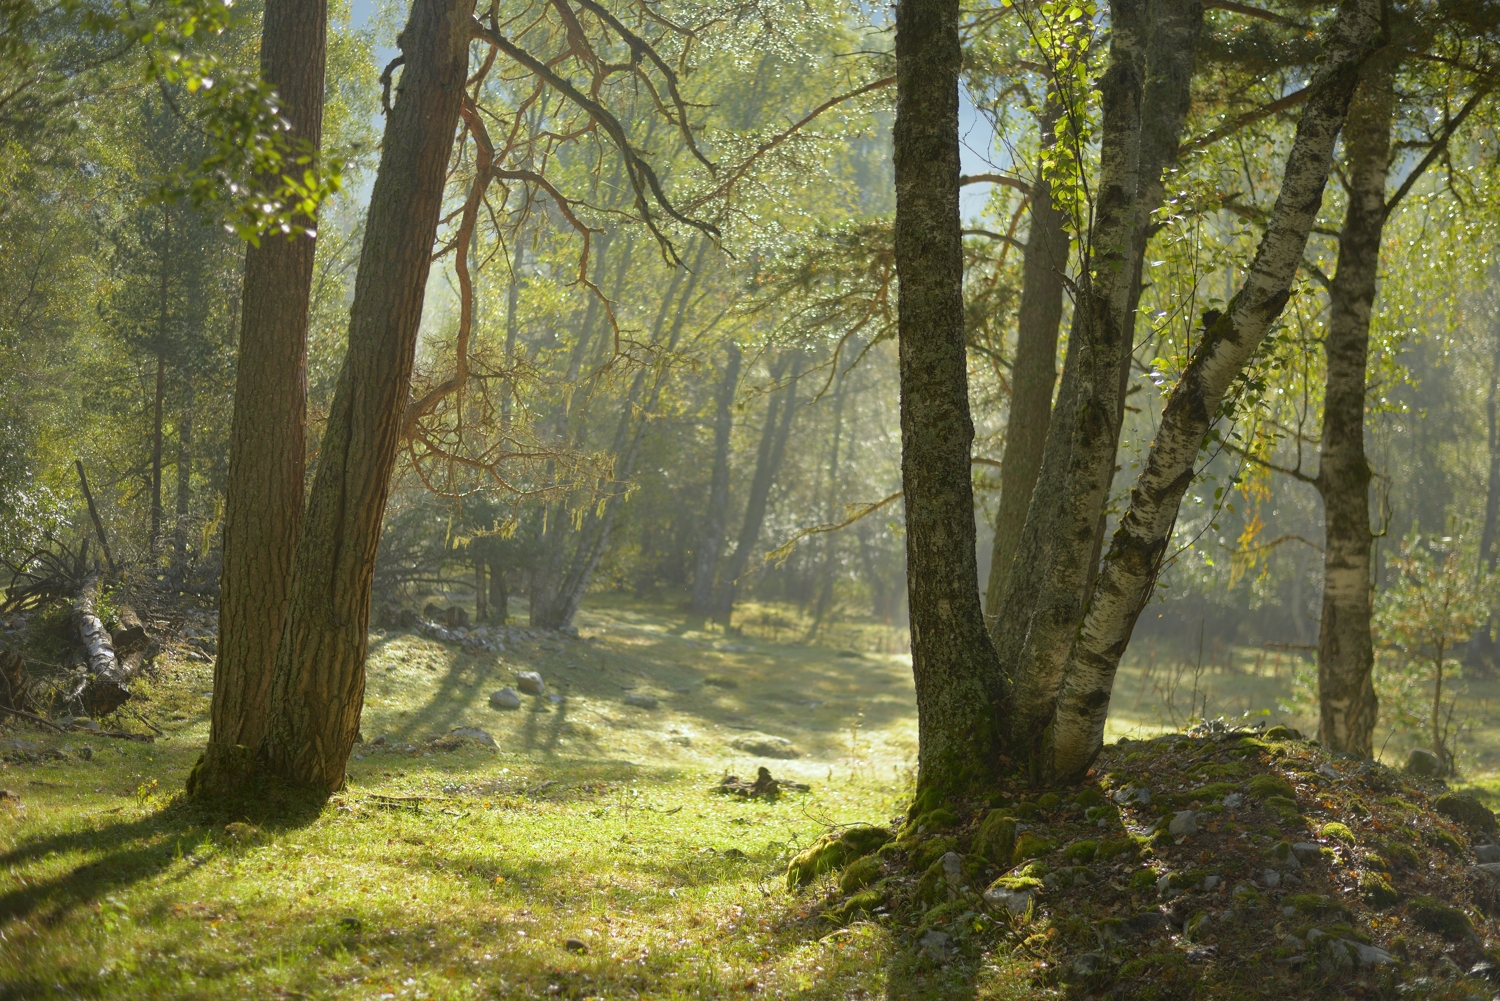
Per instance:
x=318, y=688
x=184, y=487
x=716, y=518
x=267, y=439
x=153, y=546
x=106, y=688
x=825, y=571
x=1045, y=592
x=1034, y=373
x=1347, y=706
x=1480, y=656
x=953, y=663
x=499, y=594
x=780, y=410
x=1140, y=542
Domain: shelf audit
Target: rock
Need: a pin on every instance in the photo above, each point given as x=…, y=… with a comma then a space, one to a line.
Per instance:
x=1465, y=810
x=379, y=741
x=1147, y=923
x=766, y=747
x=953, y=869
x=1211, y=882
x=1014, y=901
x=1233, y=801
x=1307, y=852
x=765, y=786
x=1421, y=761
x=505, y=698
x=934, y=941
x=240, y=831
x=530, y=682
x=556, y=699
x=1088, y=964
x=1487, y=853
x=575, y=945
x=474, y=733
x=1202, y=954
x=1132, y=794
x=642, y=701
x=24, y=746
x=1183, y=824
x=1271, y=878
x=1369, y=955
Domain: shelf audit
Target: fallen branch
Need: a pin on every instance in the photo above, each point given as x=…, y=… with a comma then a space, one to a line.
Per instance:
x=106, y=687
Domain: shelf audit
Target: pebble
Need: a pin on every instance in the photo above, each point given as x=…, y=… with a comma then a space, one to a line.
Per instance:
x=575, y=945
x=505, y=698
x=530, y=682
x=1233, y=801
x=1183, y=823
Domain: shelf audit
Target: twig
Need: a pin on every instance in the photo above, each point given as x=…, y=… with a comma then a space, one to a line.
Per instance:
x=88, y=495
x=34, y=719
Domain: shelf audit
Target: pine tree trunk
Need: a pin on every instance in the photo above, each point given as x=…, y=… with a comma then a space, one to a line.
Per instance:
x=157, y=512
x=184, y=486
x=499, y=595
x=1347, y=706
x=780, y=410
x=1034, y=372
x=318, y=688
x=716, y=518
x=830, y=505
x=1140, y=543
x=1480, y=655
x=1045, y=592
x=267, y=438
x=953, y=663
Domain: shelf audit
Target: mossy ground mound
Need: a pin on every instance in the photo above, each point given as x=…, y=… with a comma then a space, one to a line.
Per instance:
x=1308, y=876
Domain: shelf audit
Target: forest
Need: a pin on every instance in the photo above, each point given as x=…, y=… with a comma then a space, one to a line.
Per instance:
x=718, y=498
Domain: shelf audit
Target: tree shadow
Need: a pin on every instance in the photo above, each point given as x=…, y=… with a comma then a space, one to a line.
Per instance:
x=127, y=852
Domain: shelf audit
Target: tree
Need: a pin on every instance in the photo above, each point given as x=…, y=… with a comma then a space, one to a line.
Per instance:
x=957, y=676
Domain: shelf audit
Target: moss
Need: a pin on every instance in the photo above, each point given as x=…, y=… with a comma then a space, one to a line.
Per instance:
x=1027, y=811
x=860, y=874
x=1335, y=831
x=1016, y=883
x=1031, y=845
x=1111, y=848
x=1035, y=869
x=832, y=852
x=1049, y=801
x=1081, y=852
x=1285, y=809
x=927, y=851
x=931, y=887
x=1445, y=842
x=1465, y=810
x=1279, y=733
x=1376, y=862
x=1088, y=797
x=1399, y=855
x=1435, y=916
x=860, y=905
x=1376, y=890
x=1144, y=879
x=1266, y=786
x=996, y=838
x=936, y=820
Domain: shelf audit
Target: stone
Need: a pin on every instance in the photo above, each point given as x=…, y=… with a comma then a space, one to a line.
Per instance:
x=474, y=733
x=1014, y=901
x=642, y=701
x=575, y=945
x=1088, y=964
x=1421, y=761
x=1132, y=794
x=1487, y=853
x=555, y=698
x=1183, y=824
x=1233, y=801
x=953, y=869
x=766, y=747
x=505, y=698
x=1202, y=954
x=934, y=941
x=1307, y=852
x=1465, y=810
x=1211, y=882
x=379, y=741
x=530, y=682
x=1370, y=955
x=1271, y=878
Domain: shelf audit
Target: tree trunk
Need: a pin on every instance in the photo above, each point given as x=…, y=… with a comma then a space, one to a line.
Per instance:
x=154, y=544
x=953, y=663
x=717, y=516
x=184, y=487
x=499, y=595
x=1480, y=657
x=267, y=446
x=481, y=592
x=1045, y=592
x=780, y=410
x=830, y=505
x=1140, y=542
x=1034, y=373
x=1346, y=693
x=105, y=688
x=318, y=688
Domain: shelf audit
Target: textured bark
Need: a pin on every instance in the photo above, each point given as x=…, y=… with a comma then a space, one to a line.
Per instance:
x=184, y=486
x=267, y=438
x=1033, y=374
x=106, y=686
x=1346, y=656
x=1140, y=542
x=154, y=544
x=953, y=662
x=716, y=518
x=780, y=411
x=1044, y=595
x=318, y=688
x=1479, y=657
x=824, y=599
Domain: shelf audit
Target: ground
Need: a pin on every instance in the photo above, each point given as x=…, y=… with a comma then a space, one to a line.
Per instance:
x=587, y=854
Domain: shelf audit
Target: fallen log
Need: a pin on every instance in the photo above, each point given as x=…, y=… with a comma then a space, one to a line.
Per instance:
x=106, y=687
x=133, y=645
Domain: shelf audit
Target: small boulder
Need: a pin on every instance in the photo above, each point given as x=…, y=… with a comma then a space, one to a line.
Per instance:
x=1183, y=824
x=1465, y=810
x=766, y=747
x=530, y=682
x=1421, y=761
x=473, y=733
x=642, y=701
x=575, y=945
x=1132, y=795
x=1487, y=853
x=934, y=941
x=1233, y=801
x=505, y=698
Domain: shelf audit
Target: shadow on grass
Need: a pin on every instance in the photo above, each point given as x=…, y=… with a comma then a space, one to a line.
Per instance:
x=127, y=852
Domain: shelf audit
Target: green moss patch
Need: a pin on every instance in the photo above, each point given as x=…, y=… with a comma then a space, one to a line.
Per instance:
x=1268, y=785
x=1435, y=916
x=1334, y=831
x=1465, y=810
x=1377, y=890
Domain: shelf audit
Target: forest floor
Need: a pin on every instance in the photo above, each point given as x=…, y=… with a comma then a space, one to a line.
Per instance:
x=586, y=854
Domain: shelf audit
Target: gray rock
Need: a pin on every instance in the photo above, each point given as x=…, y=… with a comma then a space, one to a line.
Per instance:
x=953, y=869
x=474, y=733
x=555, y=698
x=1233, y=801
x=1183, y=823
x=505, y=698
x=1421, y=761
x=1487, y=853
x=766, y=747
x=1307, y=852
x=1210, y=882
x=1202, y=954
x=934, y=941
x=1088, y=964
x=24, y=746
x=1370, y=955
x=1014, y=901
x=1271, y=878
x=530, y=682
x=1127, y=795
x=641, y=701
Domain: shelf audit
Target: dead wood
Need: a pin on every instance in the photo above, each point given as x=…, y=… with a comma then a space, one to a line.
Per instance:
x=106, y=686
